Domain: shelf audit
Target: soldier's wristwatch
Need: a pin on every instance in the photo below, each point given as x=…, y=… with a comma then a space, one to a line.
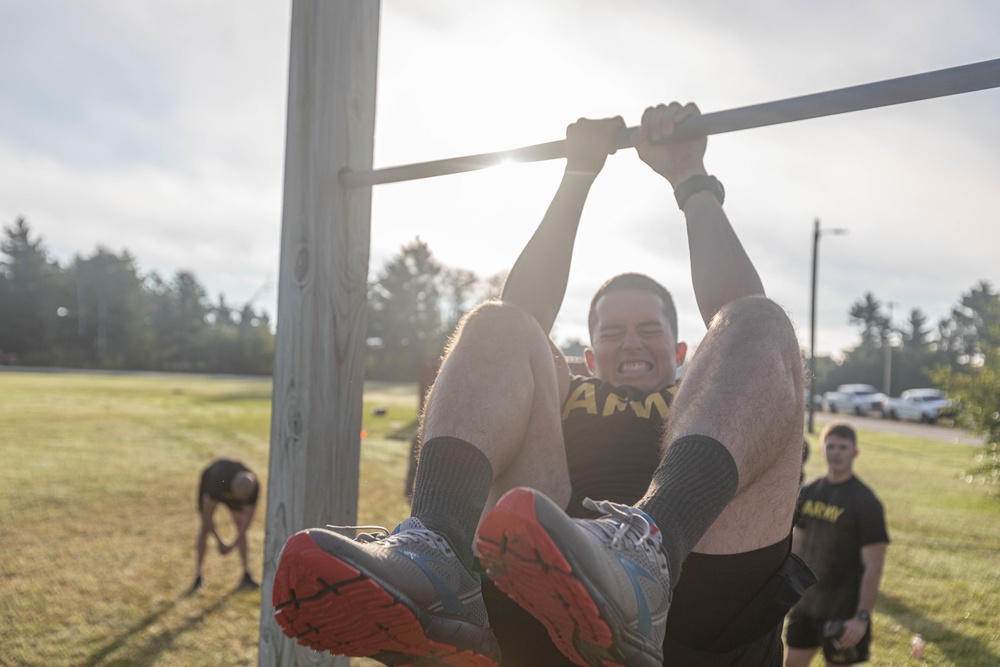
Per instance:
x=699, y=183
x=864, y=616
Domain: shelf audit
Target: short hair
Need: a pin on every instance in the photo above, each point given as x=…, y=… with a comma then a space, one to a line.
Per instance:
x=244, y=484
x=635, y=281
x=840, y=429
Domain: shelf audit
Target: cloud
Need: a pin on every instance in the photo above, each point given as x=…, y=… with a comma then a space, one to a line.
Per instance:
x=159, y=127
x=156, y=127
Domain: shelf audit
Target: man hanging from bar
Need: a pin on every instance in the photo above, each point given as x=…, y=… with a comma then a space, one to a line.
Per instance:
x=630, y=521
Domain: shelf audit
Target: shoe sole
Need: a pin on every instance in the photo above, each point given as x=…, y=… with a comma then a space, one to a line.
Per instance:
x=328, y=604
x=524, y=561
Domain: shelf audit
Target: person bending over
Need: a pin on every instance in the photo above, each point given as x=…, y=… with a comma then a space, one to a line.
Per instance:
x=235, y=486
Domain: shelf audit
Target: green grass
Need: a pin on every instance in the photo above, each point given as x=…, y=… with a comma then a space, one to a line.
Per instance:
x=98, y=476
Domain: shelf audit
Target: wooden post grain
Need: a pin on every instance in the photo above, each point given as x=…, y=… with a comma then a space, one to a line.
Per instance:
x=322, y=289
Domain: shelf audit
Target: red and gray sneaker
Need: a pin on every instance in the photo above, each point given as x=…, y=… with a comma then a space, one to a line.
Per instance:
x=402, y=598
x=601, y=587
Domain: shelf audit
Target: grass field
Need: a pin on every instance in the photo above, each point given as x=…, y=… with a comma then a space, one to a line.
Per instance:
x=98, y=476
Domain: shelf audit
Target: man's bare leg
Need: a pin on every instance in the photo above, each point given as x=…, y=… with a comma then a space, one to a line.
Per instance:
x=739, y=405
x=491, y=422
x=206, y=527
x=242, y=518
x=201, y=546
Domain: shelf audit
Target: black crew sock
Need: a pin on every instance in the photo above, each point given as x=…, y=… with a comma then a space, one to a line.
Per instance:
x=693, y=484
x=452, y=484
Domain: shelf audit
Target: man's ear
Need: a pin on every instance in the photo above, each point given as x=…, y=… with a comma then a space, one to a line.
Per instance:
x=682, y=350
x=588, y=355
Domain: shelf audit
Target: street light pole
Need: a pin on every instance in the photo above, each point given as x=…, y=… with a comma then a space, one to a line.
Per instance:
x=817, y=232
x=887, y=354
x=812, y=328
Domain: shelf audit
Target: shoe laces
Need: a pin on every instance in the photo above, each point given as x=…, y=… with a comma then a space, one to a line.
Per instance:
x=402, y=537
x=623, y=523
x=379, y=534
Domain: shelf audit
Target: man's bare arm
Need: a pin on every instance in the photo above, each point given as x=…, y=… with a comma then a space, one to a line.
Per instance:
x=873, y=560
x=537, y=281
x=721, y=270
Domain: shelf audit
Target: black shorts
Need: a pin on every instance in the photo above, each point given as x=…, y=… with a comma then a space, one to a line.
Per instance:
x=748, y=633
x=809, y=632
x=729, y=610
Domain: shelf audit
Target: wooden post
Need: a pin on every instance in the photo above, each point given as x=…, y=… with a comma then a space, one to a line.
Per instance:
x=322, y=289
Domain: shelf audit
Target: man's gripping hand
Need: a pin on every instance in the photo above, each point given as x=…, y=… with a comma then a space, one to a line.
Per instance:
x=675, y=161
x=854, y=632
x=589, y=143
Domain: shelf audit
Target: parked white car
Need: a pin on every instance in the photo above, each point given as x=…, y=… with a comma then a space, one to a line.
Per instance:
x=860, y=399
x=922, y=405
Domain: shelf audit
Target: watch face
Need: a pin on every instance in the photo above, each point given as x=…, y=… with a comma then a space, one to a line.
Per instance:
x=864, y=615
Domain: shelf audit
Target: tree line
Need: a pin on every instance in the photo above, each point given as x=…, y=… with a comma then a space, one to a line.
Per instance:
x=99, y=312
x=914, y=350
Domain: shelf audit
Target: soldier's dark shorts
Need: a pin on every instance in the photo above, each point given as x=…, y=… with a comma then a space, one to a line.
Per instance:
x=727, y=610
x=808, y=632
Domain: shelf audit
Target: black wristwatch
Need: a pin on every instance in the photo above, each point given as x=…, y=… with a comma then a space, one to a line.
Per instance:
x=699, y=183
x=864, y=616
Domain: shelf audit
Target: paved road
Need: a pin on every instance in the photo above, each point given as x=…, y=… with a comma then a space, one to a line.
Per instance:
x=913, y=429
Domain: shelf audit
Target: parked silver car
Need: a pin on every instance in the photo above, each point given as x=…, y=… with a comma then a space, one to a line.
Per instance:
x=923, y=405
x=860, y=399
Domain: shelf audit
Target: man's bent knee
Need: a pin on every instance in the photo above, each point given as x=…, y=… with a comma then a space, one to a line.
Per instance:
x=498, y=389
x=754, y=316
x=497, y=325
x=757, y=319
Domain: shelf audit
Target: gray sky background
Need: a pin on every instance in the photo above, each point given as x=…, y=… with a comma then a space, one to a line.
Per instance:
x=158, y=127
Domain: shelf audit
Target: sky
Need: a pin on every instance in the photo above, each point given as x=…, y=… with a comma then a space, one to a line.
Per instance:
x=159, y=127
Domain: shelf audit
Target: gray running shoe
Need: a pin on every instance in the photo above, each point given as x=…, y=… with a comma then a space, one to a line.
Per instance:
x=600, y=586
x=402, y=598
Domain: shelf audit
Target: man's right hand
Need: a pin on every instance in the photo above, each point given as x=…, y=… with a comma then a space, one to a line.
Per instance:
x=854, y=632
x=589, y=143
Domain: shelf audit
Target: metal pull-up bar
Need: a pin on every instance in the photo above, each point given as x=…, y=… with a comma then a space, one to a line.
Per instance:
x=939, y=83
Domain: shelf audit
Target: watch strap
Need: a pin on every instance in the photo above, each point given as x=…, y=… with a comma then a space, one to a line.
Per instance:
x=699, y=183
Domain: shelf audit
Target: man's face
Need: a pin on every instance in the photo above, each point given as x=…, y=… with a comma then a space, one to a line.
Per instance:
x=633, y=344
x=840, y=453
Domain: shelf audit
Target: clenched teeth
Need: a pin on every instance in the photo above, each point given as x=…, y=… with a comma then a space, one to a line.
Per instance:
x=627, y=367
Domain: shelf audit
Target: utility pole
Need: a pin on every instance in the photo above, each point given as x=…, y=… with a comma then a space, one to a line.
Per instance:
x=887, y=354
x=817, y=232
